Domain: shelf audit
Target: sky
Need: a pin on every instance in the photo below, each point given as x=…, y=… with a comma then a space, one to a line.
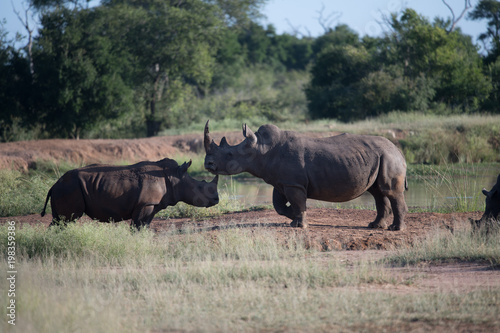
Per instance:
x=302, y=16
x=363, y=16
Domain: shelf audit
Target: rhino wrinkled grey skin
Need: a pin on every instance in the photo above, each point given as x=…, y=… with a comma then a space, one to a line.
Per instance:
x=492, y=210
x=137, y=192
x=335, y=169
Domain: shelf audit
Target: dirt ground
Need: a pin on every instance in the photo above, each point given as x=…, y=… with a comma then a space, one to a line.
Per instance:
x=329, y=228
x=343, y=231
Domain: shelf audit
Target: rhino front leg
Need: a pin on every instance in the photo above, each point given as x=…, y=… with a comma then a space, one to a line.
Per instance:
x=297, y=198
x=143, y=216
x=280, y=204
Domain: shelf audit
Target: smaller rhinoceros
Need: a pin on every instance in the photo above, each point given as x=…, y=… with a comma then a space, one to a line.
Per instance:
x=137, y=192
x=492, y=210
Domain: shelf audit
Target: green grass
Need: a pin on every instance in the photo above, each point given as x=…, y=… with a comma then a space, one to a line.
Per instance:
x=23, y=194
x=103, y=278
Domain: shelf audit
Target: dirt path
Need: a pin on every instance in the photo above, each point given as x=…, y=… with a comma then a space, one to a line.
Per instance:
x=329, y=229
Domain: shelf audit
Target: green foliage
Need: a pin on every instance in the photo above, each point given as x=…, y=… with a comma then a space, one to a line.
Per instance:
x=417, y=67
x=489, y=10
x=81, y=70
x=100, y=242
x=333, y=91
x=448, y=58
x=22, y=194
x=452, y=143
x=257, y=95
x=134, y=68
x=342, y=35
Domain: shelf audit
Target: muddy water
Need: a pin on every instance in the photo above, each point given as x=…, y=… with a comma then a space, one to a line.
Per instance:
x=424, y=193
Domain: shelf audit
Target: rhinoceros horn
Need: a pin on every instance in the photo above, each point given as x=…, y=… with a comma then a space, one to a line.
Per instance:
x=215, y=180
x=223, y=142
x=247, y=133
x=206, y=140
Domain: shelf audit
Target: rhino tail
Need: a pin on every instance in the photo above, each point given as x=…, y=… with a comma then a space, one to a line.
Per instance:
x=46, y=201
x=406, y=184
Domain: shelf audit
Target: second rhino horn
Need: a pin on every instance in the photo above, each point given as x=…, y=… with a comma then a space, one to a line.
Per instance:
x=223, y=142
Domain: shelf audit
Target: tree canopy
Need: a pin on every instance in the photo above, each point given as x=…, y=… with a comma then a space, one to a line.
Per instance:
x=140, y=66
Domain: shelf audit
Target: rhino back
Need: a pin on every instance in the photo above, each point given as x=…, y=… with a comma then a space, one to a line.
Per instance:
x=116, y=191
x=337, y=168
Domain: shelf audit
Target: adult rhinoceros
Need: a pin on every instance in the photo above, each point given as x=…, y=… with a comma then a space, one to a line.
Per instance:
x=337, y=169
x=137, y=192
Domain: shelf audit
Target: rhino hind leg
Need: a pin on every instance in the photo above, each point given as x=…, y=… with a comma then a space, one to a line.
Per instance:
x=383, y=206
x=67, y=204
x=400, y=209
x=63, y=219
x=63, y=213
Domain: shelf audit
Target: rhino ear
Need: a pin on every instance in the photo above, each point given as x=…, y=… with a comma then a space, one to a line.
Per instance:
x=248, y=133
x=184, y=167
x=485, y=192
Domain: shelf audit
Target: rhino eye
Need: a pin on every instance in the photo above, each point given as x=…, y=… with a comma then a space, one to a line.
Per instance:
x=229, y=155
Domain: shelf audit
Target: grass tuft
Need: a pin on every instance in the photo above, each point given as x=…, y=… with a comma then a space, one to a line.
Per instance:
x=22, y=194
x=461, y=242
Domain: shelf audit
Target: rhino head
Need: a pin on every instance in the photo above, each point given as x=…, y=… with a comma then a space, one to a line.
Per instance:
x=492, y=210
x=192, y=191
x=224, y=159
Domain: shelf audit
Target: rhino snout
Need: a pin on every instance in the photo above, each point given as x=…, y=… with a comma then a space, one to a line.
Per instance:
x=207, y=202
x=210, y=166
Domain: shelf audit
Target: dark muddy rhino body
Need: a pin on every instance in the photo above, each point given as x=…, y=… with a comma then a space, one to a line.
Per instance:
x=492, y=205
x=115, y=193
x=335, y=169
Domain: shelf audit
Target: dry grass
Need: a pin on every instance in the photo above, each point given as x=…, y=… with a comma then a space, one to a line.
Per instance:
x=102, y=278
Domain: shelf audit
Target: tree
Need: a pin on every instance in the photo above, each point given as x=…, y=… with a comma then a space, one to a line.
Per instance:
x=78, y=81
x=489, y=10
x=171, y=42
x=239, y=13
x=414, y=67
x=341, y=35
x=454, y=20
x=15, y=88
x=333, y=91
x=449, y=58
x=292, y=52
